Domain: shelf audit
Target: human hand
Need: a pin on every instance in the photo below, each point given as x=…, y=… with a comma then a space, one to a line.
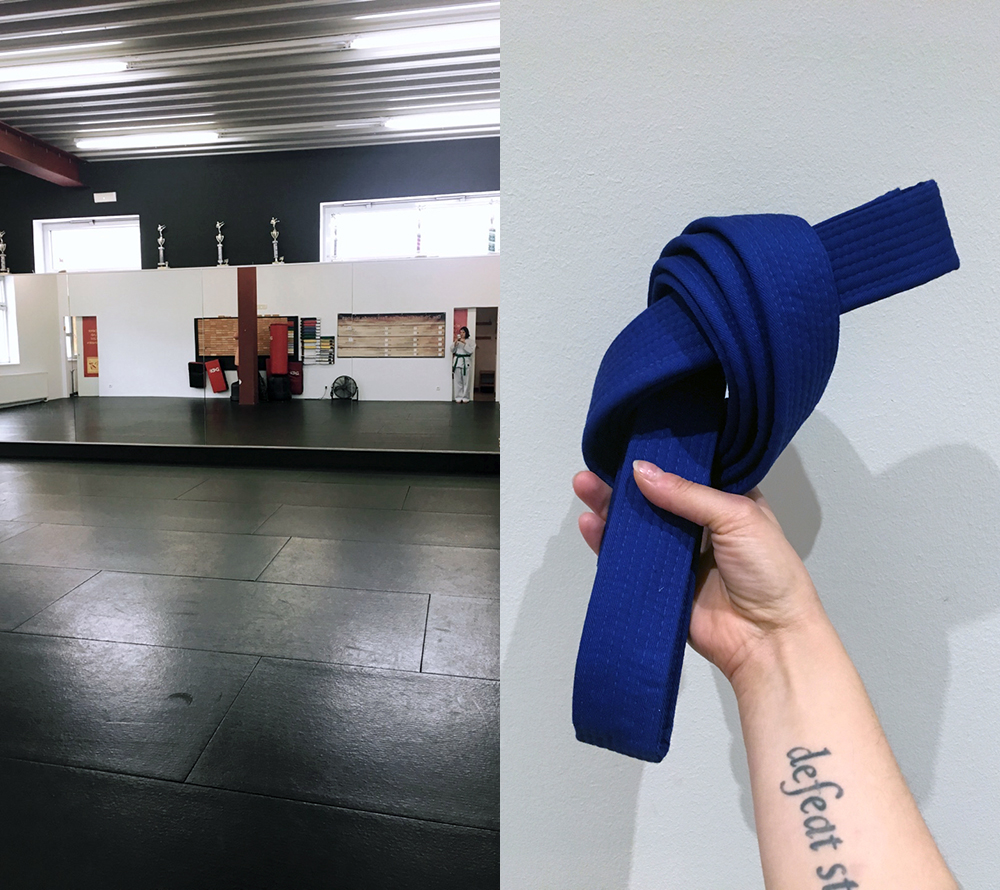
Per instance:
x=752, y=588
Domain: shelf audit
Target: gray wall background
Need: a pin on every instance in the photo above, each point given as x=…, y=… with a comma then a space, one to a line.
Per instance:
x=623, y=122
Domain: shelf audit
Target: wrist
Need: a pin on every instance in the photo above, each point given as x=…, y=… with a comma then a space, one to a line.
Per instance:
x=787, y=657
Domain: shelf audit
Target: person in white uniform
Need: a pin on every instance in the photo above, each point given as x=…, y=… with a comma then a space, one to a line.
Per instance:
x=461, y=365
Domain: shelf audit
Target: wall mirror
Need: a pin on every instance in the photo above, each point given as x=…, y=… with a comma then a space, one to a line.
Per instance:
x=148, y=357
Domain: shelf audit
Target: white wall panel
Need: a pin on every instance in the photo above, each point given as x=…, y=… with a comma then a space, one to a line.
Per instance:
x=145, y=328
x=39, y=310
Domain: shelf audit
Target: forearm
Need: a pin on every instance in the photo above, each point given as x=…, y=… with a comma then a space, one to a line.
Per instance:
x=833, y=811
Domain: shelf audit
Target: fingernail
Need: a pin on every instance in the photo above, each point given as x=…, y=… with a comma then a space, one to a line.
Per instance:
x=647, y=470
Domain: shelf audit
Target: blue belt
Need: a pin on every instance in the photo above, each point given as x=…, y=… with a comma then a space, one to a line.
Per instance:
x=752, y=302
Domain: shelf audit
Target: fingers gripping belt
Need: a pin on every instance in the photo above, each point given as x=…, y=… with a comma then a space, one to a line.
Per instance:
x=748, y=302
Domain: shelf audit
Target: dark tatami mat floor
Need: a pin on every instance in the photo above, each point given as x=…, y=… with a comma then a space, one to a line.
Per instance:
x=302, y=423
x=248, y=678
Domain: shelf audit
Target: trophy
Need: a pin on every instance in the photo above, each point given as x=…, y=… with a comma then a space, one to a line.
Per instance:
x=219, y=238
x=162, y=264
x=274, y=240
x=3, y=255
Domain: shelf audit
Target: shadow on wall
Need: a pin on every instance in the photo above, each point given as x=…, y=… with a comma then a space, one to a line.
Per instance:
x=560, y=781
x=905, y=556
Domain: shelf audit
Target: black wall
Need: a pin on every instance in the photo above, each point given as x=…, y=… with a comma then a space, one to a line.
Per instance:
x=188, y=196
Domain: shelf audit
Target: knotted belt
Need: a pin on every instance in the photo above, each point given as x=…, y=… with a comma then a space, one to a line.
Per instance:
x=751, y=303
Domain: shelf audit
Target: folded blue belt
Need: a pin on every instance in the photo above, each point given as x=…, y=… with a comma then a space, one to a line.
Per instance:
x=751, y=303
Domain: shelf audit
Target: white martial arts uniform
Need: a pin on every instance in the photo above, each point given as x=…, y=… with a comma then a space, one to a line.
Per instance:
x=461, y=369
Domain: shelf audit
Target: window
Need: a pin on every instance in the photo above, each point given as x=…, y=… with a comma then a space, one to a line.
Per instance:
x=8, y=323
x=435, y=225
x=89, y=244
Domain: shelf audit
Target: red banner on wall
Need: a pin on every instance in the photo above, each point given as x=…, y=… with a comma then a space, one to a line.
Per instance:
x=461, y=320
x=89, y=331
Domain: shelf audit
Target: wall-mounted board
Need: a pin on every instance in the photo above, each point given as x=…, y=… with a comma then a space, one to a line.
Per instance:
x=397, y=335
x=216, y=337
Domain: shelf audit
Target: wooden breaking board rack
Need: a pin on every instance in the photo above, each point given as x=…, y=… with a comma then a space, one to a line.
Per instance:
x=399, y=335
x=216, y=337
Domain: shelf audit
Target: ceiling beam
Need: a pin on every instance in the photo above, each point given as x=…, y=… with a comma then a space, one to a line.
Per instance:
x=37, y=158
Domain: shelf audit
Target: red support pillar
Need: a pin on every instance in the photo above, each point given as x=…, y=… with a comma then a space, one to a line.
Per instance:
x=246, y=296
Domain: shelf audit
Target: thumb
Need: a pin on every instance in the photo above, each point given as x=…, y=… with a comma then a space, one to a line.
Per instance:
x=701, y=504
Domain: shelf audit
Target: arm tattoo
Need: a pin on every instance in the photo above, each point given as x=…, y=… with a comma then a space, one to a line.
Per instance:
x=813, y=800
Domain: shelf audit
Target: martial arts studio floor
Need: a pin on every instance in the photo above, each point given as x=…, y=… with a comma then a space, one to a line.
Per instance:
x=248, y=677
x=437, y=436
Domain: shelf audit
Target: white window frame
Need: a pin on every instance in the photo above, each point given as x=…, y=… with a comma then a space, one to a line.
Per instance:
x=330, y=211
x=43, y=229
x=9, y=352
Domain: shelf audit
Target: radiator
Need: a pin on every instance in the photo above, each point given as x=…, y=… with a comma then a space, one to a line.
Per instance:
x=20, y=389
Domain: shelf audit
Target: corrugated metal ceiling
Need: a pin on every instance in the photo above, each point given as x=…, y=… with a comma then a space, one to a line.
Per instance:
x=266, y=76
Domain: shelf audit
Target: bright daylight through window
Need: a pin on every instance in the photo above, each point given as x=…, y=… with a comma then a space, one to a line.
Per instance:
x=437, y=225
x=8, y=323
x=89, y=244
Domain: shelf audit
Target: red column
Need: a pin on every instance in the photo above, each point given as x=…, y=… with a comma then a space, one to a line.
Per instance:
x=246, y=295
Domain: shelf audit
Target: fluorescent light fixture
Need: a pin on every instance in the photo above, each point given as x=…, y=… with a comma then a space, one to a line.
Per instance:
x=50, y=70
x=68, y=48
x=445, y=120
x=148, y=140
x=466, y=35
x=428, y=10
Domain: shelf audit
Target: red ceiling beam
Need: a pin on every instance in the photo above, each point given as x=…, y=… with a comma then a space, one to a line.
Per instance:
x=31, y=155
